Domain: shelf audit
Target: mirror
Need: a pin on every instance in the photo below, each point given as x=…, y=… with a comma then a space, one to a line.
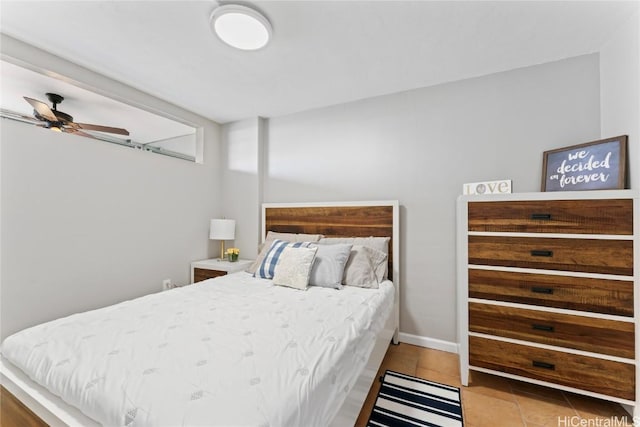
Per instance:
x=147, y=131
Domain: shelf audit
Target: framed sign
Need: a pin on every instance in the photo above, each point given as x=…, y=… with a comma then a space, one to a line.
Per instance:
x=597, y=165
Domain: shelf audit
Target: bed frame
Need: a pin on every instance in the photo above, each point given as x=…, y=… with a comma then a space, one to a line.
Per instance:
x=339, y=219
x=348, y=219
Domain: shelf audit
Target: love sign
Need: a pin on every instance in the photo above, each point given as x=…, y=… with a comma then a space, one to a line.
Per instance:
x=597, y=165
x=487, y=187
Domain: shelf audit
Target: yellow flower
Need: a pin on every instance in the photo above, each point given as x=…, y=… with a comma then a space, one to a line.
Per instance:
x=234, y=251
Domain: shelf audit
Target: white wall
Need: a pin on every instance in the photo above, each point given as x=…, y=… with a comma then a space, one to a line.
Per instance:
x=87, y=223
x=241, y=159
x=620, y=91
x=420, y=147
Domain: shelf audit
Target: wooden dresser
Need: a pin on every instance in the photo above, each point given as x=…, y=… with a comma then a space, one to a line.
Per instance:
x=548, y=290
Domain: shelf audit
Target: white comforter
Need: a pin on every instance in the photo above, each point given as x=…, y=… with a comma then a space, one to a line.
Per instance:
x=230, y=351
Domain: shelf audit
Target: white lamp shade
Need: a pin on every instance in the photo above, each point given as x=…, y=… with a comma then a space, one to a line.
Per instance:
x=222, y=229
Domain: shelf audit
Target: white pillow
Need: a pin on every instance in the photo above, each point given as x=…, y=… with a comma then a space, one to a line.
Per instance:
x=294, y=267
x=266, y=270
x=328, y=267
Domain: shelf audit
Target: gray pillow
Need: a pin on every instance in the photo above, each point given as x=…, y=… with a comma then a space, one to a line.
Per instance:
x=362, y=265
x=328, y=268
x=378, y=243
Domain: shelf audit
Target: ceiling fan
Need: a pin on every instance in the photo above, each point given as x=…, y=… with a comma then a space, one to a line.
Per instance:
x=63, y=122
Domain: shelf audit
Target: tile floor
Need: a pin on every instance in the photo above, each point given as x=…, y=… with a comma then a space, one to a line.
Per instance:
x=492, y=401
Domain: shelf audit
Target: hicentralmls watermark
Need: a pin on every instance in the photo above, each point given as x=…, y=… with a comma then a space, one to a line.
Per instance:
x=577, y=421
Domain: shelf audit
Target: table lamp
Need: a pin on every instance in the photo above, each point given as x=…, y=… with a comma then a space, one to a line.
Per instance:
x=222, y=229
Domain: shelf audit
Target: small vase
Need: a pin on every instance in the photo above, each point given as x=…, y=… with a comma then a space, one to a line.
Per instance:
x=233, y=257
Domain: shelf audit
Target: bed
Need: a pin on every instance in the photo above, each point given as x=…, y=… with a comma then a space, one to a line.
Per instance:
x=230, y=343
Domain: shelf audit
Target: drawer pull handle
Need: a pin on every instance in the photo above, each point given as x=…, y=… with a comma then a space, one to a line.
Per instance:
x=540, y=290
x=541, y=216
x=544, y=365
x=541, y=253
x=546, y=328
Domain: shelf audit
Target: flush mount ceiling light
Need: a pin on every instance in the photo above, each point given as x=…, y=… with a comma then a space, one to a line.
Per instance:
x=240, y=27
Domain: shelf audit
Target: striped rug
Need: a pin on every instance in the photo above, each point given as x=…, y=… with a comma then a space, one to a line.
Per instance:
x=404, y=400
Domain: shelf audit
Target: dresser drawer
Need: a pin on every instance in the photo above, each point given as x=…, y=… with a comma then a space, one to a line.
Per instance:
x=574, y=293
x=585, y=255
x=582, y=372
x=200, y=274
x=553, y=216
x=602, y=336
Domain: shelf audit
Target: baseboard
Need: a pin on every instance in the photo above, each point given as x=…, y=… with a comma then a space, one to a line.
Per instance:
x=432, y=343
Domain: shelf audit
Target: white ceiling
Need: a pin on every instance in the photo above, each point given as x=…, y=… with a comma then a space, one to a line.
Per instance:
x=322, y=52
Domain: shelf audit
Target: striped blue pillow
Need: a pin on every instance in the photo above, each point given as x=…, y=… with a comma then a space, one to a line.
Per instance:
x=268, y=266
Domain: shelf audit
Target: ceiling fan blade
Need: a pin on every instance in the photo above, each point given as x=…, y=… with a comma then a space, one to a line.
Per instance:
x=42, y=109
x=108, y=129
x=80, y=133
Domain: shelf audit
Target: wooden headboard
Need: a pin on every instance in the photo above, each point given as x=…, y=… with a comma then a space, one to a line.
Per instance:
x=340, y=219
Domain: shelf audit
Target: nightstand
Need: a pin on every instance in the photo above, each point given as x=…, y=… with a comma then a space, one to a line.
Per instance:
x=210, y=268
